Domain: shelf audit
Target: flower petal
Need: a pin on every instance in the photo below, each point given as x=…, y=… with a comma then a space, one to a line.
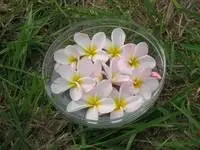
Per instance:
x=116, y=114
x=107, y=106
x=82, y=39
x=88, y=84
x=99, y=40
x=76, y=93
x=65, y=71
x=141, y=49
x=125, y=91
x=92, y=114
x=60, y=56
x=107, y=71
x=151, y=83
x=123, y=67
x=97, y=69
x=156, y=75
x=114, y=94
x=114, y=65
x=71, y=50
x=122, y=78
x=108, y=44
x=76, y=105
x=104, y=88
x=59, y=85
x=146, y=92
x=118, y=37
x=147, y=62
x=134, y=103
x=128, y=50
x=83, y=66
x=79, y=50
x=101, y=56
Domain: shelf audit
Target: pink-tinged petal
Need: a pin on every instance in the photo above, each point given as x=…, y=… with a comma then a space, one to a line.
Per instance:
x=108, y=44
x=128, y=50
x=92, y=114
x=134, y=103
x=99, y=40
x=107, y=106
x=59, y=85
x=137, y=73
x=141, y=49
x=118, y=37
x=124, y=67
x=147, y=62
x=82, y=39
x=141, y=73
x=116, y=115
x=60, y=56
x=97, y=69
x=114, y=94
x=145, y=92
x=114, y=65
x=65, y=71
x=79, y=49
x=151, y=83
x=156, y=75
x=104, y=88
x=132, y=88
x=107, y=70
x=83, y=66
x=122, y=78
x=88, y=84
x=101, y=56
x=76, y=93
x=146, y=72
x=125, y=90
x=76, y=105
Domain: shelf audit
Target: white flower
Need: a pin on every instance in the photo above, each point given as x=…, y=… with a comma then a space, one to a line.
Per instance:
x=92, y=48
x=135, y=57
x=96, y=101
x=124, y=102
x=113, y=73
x=68, y=55
x=114, y=47
x=78, y=81
x=142, y=83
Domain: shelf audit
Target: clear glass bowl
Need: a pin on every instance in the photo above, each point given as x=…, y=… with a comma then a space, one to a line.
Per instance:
x=134, y=34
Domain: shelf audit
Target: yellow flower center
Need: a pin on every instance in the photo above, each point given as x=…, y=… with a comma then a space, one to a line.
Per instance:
x=94, y=101
x=134, y=62
x=75, y=81
x=91, y=51
x=137, y=83
x=72, y=59
x=120, y=104
x=114, y=51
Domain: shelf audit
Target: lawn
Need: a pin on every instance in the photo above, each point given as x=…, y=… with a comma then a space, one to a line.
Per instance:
x=29, y=121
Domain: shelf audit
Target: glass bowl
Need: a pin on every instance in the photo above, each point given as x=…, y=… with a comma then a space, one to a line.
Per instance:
x=134, y=34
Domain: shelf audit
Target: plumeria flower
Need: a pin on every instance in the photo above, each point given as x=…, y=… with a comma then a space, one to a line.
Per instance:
x=97, y=101
x=124, y=102
x=156, y=75
x=114, y=47
x=135, y=57
x=113, y=73
x=77, y=81
x=68, y=55
x=92, y=48
x=142, y=83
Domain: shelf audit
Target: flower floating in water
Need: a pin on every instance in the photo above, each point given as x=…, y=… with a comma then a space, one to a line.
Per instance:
x=97, y=101
x=142, y=83
x=92, y=48
x=105, y=76
x=114, y=47
x=124, y=101
x=135, y=57
x=77, y=81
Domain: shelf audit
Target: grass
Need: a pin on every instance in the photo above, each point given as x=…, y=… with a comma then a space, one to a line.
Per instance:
x=28, y=121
